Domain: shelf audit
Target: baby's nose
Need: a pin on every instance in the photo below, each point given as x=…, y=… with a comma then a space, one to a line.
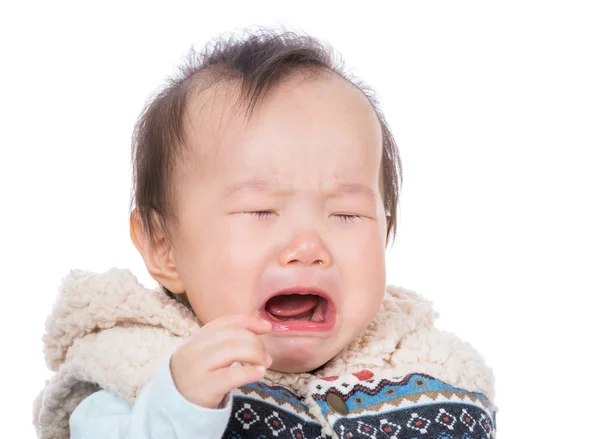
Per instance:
x=306, y=248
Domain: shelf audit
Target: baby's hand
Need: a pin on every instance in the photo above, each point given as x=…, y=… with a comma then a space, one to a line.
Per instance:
x=201, y=368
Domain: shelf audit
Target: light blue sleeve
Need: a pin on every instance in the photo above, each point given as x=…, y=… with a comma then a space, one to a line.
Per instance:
x=160, y=411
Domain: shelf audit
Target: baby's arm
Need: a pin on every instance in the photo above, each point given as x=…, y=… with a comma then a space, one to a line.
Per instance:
x=185, y=398
x=160, y=411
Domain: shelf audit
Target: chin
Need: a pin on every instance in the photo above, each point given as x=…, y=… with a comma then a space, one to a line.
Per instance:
x=291, y=366
x=299, y=355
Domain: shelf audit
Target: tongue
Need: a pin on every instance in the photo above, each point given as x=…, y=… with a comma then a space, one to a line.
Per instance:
x=291, y=305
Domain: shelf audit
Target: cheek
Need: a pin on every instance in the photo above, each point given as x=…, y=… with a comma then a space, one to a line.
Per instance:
x=226, y=245
x=225, y=263
x=363, y=251
x=361, y=261
x=242, y=247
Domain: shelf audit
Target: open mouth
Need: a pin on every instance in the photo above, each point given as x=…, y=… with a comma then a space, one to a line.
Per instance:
x=299, y=311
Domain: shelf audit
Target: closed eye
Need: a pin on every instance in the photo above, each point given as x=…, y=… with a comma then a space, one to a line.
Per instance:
x=261, y=213
x=346, y=217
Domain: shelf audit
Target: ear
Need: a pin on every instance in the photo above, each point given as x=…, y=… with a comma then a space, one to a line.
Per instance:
x=157, y=253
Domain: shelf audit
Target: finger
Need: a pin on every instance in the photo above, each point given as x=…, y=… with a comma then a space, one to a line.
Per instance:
x=217, y=335
x=252, y=323
x=213, y=338
x=230, y=378
x=226, y=353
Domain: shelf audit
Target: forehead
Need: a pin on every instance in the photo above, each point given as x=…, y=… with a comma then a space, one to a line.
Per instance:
x=321, y=120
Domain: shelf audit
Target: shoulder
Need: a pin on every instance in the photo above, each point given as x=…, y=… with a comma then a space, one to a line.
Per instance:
x=447, y=357
x=421, y=347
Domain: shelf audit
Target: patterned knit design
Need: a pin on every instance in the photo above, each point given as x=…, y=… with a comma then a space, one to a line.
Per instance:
x=416, y=406
x=429, y=421
x=252, y=418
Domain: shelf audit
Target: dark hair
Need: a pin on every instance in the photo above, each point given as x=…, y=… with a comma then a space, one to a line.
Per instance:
x=258, y=60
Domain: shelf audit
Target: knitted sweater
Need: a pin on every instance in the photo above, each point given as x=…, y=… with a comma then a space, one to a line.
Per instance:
x=401, y=378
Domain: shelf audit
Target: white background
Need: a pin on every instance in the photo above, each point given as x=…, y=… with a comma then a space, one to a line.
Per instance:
x=496, y=110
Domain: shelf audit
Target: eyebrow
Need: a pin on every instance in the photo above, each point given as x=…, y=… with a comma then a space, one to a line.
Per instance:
x=355, y=189
x=262, y=186
x=254, y=185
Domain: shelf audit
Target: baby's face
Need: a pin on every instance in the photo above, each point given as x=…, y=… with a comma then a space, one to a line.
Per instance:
x=283, y=216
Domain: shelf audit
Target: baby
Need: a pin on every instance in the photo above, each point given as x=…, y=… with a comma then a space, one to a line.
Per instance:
x=266, y=183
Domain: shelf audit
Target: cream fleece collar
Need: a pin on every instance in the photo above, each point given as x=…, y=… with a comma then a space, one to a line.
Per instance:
x=108, y=331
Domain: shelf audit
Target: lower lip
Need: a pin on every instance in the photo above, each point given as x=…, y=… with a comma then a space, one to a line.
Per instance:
x=301, y=325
